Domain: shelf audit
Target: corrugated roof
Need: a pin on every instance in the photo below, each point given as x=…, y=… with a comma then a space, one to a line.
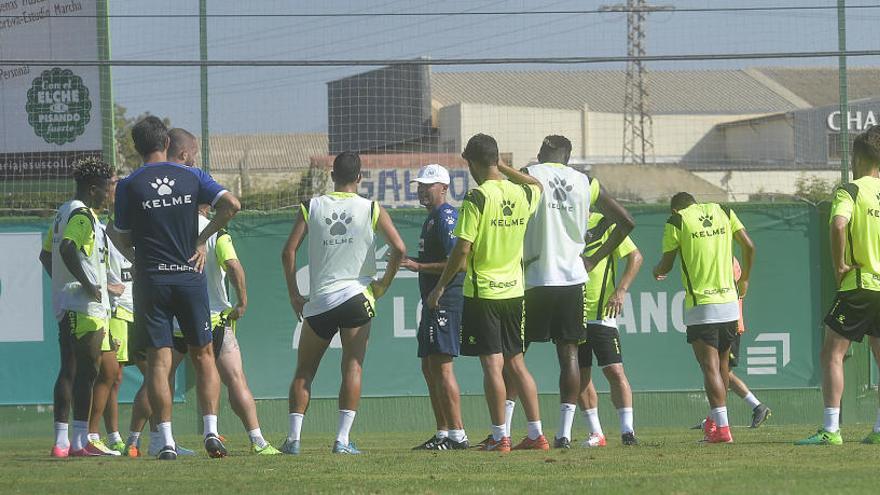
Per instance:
x=819, y=85
x=265, y=151
x=671, y=92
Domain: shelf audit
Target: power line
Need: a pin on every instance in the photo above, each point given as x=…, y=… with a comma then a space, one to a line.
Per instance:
x=439, y=61
x=780, y=8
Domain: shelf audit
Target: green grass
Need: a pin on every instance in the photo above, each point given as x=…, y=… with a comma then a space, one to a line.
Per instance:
x=668, y=461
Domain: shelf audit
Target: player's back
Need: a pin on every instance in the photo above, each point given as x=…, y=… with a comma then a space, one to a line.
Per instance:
x=555, y=236
x=158, y=204
x=495, y=262
x=863, y=232
x=706, y=247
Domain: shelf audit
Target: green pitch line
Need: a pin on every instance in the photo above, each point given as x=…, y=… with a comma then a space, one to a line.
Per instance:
x=669, y=461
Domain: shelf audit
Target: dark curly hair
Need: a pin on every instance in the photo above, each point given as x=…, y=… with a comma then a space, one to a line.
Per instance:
x=91, y=170
x=867, y=146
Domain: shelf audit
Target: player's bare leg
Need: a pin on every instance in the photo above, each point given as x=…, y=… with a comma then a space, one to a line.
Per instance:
x=588, y=400
x=63, y=396
x=87, y=350
x=569, y=385
x=714, y=365
x=308, y=358
x=528, y=394
x=101, y=391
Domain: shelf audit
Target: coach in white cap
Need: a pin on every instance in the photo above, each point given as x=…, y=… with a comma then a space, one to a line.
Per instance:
x=439, y=329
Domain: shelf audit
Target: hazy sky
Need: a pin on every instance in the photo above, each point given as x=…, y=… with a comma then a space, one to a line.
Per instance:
x=249, y=100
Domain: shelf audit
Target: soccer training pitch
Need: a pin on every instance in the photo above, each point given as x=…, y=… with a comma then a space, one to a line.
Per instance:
x=668, y=461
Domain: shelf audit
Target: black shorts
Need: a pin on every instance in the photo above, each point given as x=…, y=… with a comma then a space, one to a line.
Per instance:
x=136, y=355
x=855, y=313
x=717, y=335
x=439, y=331
x=602, y=341
x=156, y=307
x=734, y=351
x=492, y=326
x=555, y=313
x=356, y=312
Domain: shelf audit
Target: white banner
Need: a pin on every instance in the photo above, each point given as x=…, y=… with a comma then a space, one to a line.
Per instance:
x=21, y=288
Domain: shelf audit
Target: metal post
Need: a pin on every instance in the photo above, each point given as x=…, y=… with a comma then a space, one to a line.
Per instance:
x=844, y=99
x=203, y=57
x=108, y=121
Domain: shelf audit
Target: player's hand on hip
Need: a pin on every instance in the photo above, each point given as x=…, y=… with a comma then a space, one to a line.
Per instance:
x=238, y=311
x=198, y=259
x=116, y=289
x=742, y=287
x=95, y=292
x=614, y=306
x=589, y=263
x=378, y=288
x=842, y=270
x=298, y=302
x=434, y=297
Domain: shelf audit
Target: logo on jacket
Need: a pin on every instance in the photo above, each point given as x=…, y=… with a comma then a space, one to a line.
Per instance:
x=163, y=186
x=561, y=188
x=338, y=222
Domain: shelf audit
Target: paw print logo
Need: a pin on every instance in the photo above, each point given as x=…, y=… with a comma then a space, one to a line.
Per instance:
x=707, y=220
x=561, y=188
x=338, y=222
x=441, y=320
x=841, y=318
x=472, y=340
x=507, y=207
x=163, y=186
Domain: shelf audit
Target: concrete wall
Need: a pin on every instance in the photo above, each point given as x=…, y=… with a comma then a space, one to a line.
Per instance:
x=518, y=130
x=768, y=140
x=742, y=184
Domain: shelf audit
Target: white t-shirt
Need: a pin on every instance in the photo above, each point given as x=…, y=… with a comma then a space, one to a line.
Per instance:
x=555, y=235
x=342, y=254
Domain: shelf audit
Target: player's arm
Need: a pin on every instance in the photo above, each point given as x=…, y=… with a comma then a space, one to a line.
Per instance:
x=445, y=227
x=838, y=247
x=121, y=241
x=516, y=176
x=397, y=250
x=236, y=277
x=46, y=261
x=748, y=253
x=616, y=214
x=225, y=207
x=664, y=266
x=76, y=235
x=634, y=262
x=455, y=264
x=288, y=261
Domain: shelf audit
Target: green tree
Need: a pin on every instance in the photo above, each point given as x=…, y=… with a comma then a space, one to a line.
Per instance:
x=127, y=158
x=814, y=188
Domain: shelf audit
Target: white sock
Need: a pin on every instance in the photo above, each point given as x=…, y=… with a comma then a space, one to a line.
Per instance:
x=164, y=435
x=832, y=419
x=80, y=435
x=457, y=435
x=751, y=400
x=134, y=437
x=296, y=425
x=592, y=418
x=534, y=429
x=625, y=414
x=346, y=419
x=719, y=415
x=442, y=434
x=114, y=437
x=498, y=432
x=209, y=424
x=877, y=424
x=94, y=437
x=156, y=440
x=509, y=406
x=61, y=439
x=257, y=439
x=566, y=418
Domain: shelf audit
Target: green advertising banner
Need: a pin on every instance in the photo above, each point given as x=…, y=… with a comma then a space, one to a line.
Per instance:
x=783, y=314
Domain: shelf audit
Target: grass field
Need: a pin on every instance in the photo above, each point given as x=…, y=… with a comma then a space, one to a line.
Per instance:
x=668, y=461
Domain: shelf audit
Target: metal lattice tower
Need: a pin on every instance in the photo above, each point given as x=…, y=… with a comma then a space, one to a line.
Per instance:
x=638, y=134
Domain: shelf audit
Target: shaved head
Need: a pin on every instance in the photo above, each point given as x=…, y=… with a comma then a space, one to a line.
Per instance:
x=183, y=147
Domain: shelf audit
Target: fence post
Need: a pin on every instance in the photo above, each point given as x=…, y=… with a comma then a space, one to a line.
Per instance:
x=844, y=99
x=203, y=69
x=108, y=123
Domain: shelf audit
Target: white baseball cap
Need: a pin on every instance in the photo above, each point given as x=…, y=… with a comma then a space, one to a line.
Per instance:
x=432, y=174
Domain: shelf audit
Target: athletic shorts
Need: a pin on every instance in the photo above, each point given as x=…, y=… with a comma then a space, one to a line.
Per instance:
x=229, y=341
x=119, y=336
x=221, y=327
x=79, y=324
x=734, y=350
x=555, y=313
x=136, y=355
x=492, y=326
x=156, y=307
x=602, y=341
x=439, y=332
x=855, y=313
x=717, y=335
x=356, y=312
